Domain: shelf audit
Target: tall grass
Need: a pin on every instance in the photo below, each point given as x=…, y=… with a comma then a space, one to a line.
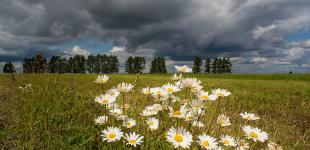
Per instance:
x=59, y=111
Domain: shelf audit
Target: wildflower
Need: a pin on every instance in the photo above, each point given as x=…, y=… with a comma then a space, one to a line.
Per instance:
x=112, y=134
x=149, y=111
x=129, y=123
x=190, y=116
x=223, y=120
x=146, y=91
x=124, y=87
x=113, y=92
x=197, y=104
x=242, y=145
x=175, y=77
x=179, y=137
x=183, y=69
x=188, y=83
x=115, y=111
x=249, y=116
x=152, y=123
x=121, y=117
x=204, y=96
x=101, y=79
x=169, y=88
x=255, y=134
x=133, y=139
x=105, y=99
x=207, y=142
x=101, y=119
x=228, y=140
x=221, y=92
x=274, y=146
x=178, y=113
x=198, y=124
x=158, y=92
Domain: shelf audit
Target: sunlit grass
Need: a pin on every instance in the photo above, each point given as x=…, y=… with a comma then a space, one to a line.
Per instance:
x=59, y=111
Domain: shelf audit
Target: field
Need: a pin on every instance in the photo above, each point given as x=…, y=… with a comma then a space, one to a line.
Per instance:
x=59, y=111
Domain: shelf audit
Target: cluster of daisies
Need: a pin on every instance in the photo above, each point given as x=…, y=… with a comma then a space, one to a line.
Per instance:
x=26, y=87
x=184, y=103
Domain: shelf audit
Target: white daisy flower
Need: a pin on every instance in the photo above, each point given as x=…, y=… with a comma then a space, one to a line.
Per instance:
x=169, y=88
x=113, y=92
x=116, y=111
x=197, y=104
x=190, y=116
x=228, y=140
x=112, y=134
x=249, y=116
x=175, y=77
x=129, y=123
x=274, y=146
x=179, y=137
x=152, y=123
x=101, y=79
x=183, y=69
x=158, y=92
x=178, y=113
x=146, y=91
x=105, y=99
x=255, y=134
x=205, y=96
x=223, y=120
x=101, y=119
x=121, y=117
x=124, y=87
x=207, y=142
x=133, y=139
x=221, y=92
x=198, y=124
x=188, y=83
x=242, y=145
x=149, y=111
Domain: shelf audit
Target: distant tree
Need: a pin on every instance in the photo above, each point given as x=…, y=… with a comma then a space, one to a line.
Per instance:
x=197, y=65
x=138, y=64
x=207, y=65
x=70, y=65
x=52, y=64
x=37, y=64
x=79, y=64
x=220, y=65
x=114, y=64
x=9, y=68
x=129, y=65
x=215, y=65
x=28, y=65
x=91, y=60
x=227, y=65
x=158, y=65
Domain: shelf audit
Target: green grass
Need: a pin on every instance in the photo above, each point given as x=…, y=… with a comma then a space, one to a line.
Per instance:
x=59, y=112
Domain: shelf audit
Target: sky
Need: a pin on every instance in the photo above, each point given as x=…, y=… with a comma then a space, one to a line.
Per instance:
x=259, y=36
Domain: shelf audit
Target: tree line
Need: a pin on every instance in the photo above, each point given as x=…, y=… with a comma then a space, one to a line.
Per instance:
x=110, y=64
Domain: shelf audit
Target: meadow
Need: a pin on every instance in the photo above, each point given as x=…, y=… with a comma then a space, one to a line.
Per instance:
x=59, y=111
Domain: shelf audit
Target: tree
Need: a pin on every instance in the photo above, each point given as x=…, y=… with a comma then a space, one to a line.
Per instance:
x=78, y=64
x=129, y=65
x=52, y=64
x=114, y=64
x=138, y=64
x=39, y=64
x=9, y=68
x=91, y=60
x=215, y=65
x=227, y=65
x=197, y=65
x=158, y=65
x=207, y=65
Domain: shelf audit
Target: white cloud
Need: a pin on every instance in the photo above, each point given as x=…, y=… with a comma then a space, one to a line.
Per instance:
x=77, y=50
x=117, y=49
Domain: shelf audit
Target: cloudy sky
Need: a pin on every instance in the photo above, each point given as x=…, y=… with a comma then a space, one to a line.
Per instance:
x=260, y=36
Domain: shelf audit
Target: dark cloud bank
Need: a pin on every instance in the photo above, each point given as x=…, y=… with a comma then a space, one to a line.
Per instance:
x=252, y=32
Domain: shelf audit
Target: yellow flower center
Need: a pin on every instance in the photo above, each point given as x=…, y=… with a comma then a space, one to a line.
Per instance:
x=128, y=124
x=170, y=90
x=148, y=91
x=178, y=138
x=226, y=142
x=205, y=143
x=220, y=95
x=177, y=113
x=205, y=97
x=132, y=141
x=158, y=92
x=253, y=135
x=111, y=135
x=105, y=101
x=151, y=123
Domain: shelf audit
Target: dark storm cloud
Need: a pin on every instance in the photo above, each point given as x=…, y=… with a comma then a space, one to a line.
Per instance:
x=179, y=29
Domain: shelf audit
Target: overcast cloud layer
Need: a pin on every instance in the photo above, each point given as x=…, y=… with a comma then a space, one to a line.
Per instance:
x=252, y=32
